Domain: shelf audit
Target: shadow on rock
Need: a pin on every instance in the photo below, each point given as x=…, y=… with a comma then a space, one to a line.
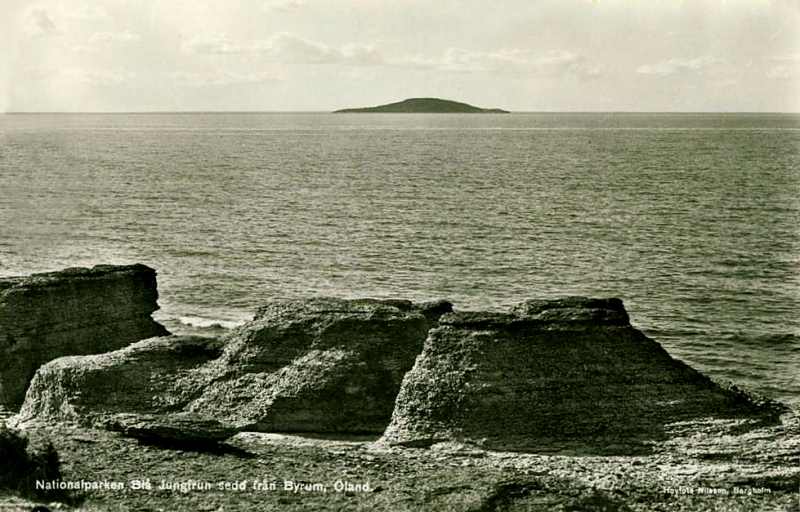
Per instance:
x=211, y=448
x=570, y=376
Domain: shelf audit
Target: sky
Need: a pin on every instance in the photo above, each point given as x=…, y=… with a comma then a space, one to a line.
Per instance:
x=321, y=55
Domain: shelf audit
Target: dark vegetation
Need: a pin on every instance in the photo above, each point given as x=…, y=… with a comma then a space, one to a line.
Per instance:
x=424, y=106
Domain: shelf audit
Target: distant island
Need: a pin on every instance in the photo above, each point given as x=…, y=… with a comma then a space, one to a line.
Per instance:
x=423, y=106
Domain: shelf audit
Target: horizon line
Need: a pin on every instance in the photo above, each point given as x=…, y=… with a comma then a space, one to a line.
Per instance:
x=129, y=112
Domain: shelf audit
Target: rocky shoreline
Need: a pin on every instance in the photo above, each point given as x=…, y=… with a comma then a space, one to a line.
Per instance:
x=702, y=468
x=71, y=312
x=333, y=404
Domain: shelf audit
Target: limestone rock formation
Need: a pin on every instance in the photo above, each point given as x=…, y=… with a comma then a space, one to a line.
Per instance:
x=72, y=312
x=152, y=376
x=575, y=310
x=317, y=365
x=572, y=370
x=182, y=428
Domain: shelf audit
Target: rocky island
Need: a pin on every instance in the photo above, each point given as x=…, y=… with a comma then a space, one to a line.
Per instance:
x=423, y=106
x=366, y=404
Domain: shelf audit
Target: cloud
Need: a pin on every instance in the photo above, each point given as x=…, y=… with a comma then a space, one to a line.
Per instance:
x=82, y=48
x=79, y=76
x=287, y=47
x=221, y=78
x=507, y=60
x=784, y=72
x=39, y=23
x=678, y=67
x=291, y=48
x=361, y=55
x=784, y=57
x=786, y=66
x=126, y=36
x=80, y=11
x=283, y=5
x=100, y=77
x=214, y=45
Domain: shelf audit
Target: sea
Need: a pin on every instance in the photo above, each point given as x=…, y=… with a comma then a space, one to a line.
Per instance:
x=693, y=220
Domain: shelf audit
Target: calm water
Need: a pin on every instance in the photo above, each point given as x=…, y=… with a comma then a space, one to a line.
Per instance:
x=693, y=220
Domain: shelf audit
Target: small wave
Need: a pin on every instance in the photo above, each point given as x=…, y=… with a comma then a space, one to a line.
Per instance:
x=207, y=323
x=787, y=339
x=772, y=339
x=189, y=253
x=671, y=333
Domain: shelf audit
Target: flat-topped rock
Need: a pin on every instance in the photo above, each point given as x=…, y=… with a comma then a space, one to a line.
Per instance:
x=536, y=306
x=477, y=319
x=575, y=311
x=569, y=372
x=570, y=312
x=566, y=371
x=72, y=312
x=171, y=428
x=332, y=306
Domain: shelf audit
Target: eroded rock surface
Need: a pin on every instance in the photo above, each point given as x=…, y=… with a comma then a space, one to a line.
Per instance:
x=550, y=372
x=317, y=365
x=152, y=376
x=72, y=312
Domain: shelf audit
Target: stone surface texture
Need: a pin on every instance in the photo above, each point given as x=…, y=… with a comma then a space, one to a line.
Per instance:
x=317, y=365
x=312, y=365
x=170, y=428
x=549, y=372
x=72, y=312
x=147, y=377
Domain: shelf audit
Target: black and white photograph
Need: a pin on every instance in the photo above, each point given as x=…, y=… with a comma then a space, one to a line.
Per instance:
x=399, y=255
